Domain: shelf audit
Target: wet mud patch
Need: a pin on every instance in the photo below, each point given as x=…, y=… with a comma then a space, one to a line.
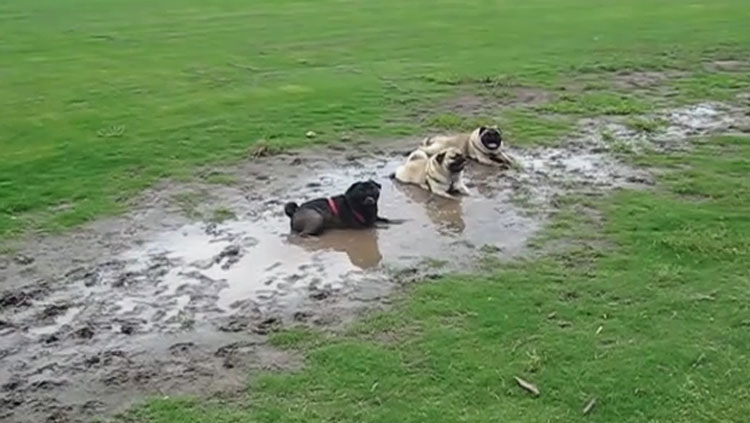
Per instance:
x=669, y=130
x=156, y=302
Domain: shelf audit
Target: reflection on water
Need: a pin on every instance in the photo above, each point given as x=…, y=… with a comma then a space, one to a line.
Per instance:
x=360, y=246
x=444, y=213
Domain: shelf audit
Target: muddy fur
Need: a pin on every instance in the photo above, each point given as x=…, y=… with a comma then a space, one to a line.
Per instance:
x=356, y=208
x=484, y=145
x=441, y=174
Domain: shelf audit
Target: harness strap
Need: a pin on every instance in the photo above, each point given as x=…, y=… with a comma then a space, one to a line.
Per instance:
x=335, y=210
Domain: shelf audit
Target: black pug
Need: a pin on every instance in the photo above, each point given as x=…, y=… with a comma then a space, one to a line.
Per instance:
x=357, y=208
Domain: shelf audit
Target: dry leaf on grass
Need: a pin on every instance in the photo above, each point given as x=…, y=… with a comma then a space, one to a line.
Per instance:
x=527, y=386
x=589, y=406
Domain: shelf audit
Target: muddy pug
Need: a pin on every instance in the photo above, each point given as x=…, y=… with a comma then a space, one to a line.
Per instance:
x=484, y=144
x=356, y=208
x=441, y=174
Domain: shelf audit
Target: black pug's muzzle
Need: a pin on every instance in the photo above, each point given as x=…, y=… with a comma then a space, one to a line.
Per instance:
x=365, y=193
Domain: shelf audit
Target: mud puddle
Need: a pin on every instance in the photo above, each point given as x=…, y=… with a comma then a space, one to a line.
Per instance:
x=673, y=127
x=154, y=302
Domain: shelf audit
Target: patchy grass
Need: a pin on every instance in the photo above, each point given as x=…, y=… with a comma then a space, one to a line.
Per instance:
x=654, y=327
x=222, y=214
x=189, y=203
x=704, y=85
x=102, y=99
x=596, y=104
x=644, y=124
x=219, y=178
x=454, y=122
x=525, y=126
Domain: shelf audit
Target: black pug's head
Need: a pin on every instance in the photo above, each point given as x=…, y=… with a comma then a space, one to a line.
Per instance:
x=492, y=138
x=452, y=159
x=363, y=194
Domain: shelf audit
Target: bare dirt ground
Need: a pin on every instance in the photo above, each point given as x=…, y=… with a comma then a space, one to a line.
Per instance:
x=155, y=302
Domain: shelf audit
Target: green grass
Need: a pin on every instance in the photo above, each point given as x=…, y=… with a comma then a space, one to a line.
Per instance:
x=644, y=124
x=454, y=122
x=101, y=99
x=722, y=86
x=603, y=103
x=222, y=214
x=189, y=202
x=526, y=126
x=654, y=325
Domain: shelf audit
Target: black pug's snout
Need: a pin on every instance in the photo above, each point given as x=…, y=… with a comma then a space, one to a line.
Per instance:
x=364, y=193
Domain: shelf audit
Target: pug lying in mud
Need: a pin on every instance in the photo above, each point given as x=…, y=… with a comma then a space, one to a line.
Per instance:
x=357, y=208
x=484, y=144
x=441, y=174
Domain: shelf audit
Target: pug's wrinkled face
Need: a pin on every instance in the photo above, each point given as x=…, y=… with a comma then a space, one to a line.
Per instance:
x=492, y=138
x=365, y=193
x=452, y=159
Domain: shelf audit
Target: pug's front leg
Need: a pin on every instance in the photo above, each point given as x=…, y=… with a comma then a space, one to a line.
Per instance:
x=443, y=193
x=461, y=187
x=490, y=161
x=384, y=221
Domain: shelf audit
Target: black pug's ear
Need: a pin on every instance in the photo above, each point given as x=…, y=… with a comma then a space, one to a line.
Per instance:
x=440, y=157
x=482, y=129
x=354, y=187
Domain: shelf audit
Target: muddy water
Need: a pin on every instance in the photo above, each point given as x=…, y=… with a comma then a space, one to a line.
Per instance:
x=204, y=272
x=155, y=302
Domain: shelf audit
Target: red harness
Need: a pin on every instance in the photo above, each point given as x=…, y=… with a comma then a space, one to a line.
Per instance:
x=335, y=210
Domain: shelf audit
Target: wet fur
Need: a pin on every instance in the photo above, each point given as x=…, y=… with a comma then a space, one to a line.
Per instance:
x=315, y=216
x=441, y=174
x=479, y=145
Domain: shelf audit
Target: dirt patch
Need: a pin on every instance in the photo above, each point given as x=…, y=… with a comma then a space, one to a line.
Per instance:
x=728, y=66
x=490, y=103
x=154, y=302
x=642, y=79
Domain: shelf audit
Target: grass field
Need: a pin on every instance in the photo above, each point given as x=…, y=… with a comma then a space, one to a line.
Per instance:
x=647, y=311
x=100, y=99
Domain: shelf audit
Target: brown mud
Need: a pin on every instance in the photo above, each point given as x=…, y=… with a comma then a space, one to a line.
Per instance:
x=154, y=302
